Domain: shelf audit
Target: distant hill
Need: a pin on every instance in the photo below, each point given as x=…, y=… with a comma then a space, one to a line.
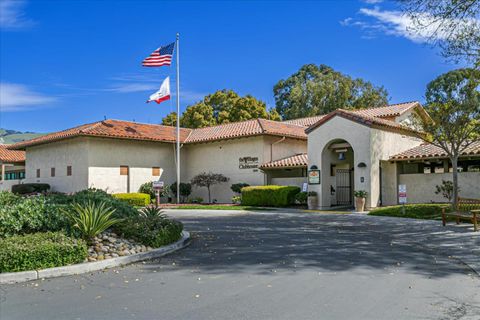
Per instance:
x=13, y=136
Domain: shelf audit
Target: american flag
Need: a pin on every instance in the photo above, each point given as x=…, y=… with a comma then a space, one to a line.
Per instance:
x=160, y=57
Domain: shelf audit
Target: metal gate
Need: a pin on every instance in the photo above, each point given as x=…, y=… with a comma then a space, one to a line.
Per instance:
x=344, y=189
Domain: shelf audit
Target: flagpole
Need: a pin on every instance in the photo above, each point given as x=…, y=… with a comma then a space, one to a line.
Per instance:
x=178, y=121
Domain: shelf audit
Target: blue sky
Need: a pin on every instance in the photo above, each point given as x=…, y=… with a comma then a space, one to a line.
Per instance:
x=65, y=63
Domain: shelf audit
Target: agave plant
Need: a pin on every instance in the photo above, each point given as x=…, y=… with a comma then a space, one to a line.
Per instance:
x=152, y=212
x=91, y=218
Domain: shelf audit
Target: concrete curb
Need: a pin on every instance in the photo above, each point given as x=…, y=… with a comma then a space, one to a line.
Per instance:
x=16, y=277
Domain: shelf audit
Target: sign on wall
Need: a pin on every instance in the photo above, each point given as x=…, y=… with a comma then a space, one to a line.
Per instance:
x=313, y=176
x=248, y=163
x=402, y=193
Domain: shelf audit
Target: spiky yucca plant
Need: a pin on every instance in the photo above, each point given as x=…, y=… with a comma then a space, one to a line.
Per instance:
x=152, y=212
x=91, y=218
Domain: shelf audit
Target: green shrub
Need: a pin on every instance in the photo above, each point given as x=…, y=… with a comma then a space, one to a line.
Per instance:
x=237, y=187
x=26, y=188
x=122, y=209
x=40, y=251
x=20, y=215
x=151, y=229
x=276, y=196
x=196, y=200
x=417, y=211
x=236, y=199
x=8, y=198
x=91, y=218
x=301, y=197
x=185, y=189
x=134, y=199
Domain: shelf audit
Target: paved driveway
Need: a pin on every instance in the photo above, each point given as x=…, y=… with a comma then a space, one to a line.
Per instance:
x=275, y=266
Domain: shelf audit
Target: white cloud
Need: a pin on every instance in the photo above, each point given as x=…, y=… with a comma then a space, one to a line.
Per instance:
x=396, y=23
x=18, y=97
x=132, y=87
x=12, y=15
x=373, y=1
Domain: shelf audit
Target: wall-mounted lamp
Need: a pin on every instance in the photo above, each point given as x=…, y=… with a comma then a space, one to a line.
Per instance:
x=362, y=165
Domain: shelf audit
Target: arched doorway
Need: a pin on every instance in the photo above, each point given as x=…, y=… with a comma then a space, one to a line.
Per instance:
x=338, y=174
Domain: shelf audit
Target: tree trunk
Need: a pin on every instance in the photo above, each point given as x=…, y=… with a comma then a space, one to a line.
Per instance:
x=209, y=200
x=454, y=160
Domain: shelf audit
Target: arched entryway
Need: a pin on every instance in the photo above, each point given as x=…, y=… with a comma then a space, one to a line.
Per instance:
x=338, y=174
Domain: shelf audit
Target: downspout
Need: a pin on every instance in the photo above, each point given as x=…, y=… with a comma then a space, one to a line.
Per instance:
x=271, y=147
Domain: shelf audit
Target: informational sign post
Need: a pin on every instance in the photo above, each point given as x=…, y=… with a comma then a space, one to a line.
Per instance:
x=314, y=176
x=304, y=187
x=402, y=193
x=158, y=187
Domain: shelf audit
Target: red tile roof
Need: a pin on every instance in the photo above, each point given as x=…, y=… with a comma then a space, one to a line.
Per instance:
x=246, y=128
x=304, y=122
x=427, y=151
x=392, y=110
x=111, y=129
x=152, y=132
x=373, y=122
x=11, y=156
x=296, y=161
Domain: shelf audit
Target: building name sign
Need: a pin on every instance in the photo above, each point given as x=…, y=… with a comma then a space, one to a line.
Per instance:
x=248, y=162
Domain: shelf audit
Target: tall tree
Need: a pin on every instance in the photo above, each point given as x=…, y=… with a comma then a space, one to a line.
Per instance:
x=453, y=103
x=316, y=90
x=454, y=25
x=223, y=106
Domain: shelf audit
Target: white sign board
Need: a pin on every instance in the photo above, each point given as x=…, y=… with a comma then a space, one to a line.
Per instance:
x=157, y=185
x=402, y=193
x=304, y=187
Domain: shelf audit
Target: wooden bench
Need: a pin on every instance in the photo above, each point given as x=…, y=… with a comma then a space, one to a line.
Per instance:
x=467, y=209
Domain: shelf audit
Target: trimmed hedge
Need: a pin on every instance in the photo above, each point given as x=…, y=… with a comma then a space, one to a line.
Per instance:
x=417, y=211
x=274, y=196
x=134, y=199
x=40, y=251
x=26, y=188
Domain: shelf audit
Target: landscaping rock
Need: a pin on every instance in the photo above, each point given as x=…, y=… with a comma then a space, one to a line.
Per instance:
x=109, y=245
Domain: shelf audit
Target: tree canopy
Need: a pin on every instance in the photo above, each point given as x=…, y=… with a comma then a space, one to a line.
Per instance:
x=453, y=103
x=452, y=24
x=315, y=90
x=223, y=106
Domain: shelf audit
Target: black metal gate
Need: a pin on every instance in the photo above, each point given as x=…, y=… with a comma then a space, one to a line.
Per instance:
x=344, y=188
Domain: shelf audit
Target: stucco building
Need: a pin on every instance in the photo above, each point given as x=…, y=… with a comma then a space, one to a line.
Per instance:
x=372, y=149
x=12, y=167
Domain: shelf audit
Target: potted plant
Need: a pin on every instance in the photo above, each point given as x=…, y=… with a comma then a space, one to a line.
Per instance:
x=312, y=200
x=360, y=196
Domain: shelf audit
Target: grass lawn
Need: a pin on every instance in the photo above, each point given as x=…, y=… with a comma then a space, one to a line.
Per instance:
x=415, y=211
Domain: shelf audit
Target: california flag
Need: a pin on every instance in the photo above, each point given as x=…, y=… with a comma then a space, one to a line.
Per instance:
x=162, y=94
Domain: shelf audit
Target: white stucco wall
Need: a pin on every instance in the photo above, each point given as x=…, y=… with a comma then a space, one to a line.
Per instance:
x=383, y=145
x=223, y=157
x=358, y=136
x=105, y=156
x=421, y=187
x=59, y=155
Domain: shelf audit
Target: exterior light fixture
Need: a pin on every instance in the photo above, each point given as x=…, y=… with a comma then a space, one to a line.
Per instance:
x=362, y=165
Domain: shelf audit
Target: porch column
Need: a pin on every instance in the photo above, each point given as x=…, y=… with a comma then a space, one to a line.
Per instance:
x=3, y=171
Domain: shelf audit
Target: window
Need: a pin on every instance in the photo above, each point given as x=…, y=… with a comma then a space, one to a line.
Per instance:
x=156, y=171
x=69, y=170
x=38, y=173
x=52, y=172
x=124, y=170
